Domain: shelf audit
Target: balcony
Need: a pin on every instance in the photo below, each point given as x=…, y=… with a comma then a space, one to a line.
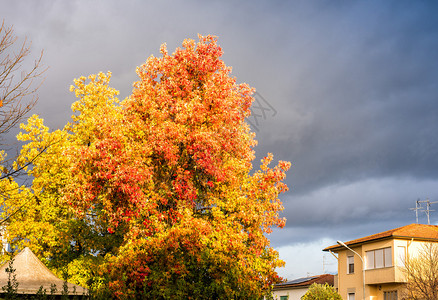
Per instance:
x=384, y=275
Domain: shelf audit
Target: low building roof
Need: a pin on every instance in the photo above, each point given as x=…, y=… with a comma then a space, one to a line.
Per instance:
x=31, y=274
x=412, y=231
x=306, y=282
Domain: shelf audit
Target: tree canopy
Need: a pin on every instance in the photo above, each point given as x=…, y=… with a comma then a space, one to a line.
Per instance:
x=154, y=196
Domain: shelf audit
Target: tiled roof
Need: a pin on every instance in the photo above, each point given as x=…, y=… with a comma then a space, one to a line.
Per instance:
x=305, y=282
x=415, y=231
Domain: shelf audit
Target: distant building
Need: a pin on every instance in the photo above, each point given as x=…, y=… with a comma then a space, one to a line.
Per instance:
x=295, y=289
x=384, y=255
x=5, y=245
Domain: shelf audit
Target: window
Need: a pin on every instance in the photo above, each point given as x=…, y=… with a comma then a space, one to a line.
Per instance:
x=351, y=296
x=369, y=257
x=379, y=258
x=350, y=264
x=284, y=297
x=390, y=295
x=387, y=253
x=401, y=251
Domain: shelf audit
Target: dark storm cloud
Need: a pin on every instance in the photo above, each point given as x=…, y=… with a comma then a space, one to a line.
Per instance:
x=367, y=105
x=354, y=86
x=361, y=202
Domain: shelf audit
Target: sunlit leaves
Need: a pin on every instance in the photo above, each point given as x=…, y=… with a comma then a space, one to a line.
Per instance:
x=165, y=178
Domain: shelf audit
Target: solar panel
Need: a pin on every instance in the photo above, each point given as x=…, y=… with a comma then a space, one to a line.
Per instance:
x=299, y=280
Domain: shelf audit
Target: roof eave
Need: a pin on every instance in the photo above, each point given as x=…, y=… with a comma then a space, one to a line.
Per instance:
x=336, y=248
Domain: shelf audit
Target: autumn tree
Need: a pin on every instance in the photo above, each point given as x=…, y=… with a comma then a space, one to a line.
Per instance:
x=162, y=183
x=422, y=273
x=39, y=219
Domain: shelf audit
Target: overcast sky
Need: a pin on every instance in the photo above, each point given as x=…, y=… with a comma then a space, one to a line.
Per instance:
x=349, y=91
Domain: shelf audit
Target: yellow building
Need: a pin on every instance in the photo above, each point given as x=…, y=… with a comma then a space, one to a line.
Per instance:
x=383, y=254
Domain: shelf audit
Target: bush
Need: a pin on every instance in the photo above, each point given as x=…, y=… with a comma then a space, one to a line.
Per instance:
x=321, y=292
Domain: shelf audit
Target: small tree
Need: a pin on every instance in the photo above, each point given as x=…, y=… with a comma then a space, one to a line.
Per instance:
x=422, y=273
x=64, y=292
x=321, y=292
x=41, y=293
x=53, y=291
x=10, y=289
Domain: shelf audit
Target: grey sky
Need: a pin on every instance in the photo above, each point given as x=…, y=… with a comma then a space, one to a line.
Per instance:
x=354, y=85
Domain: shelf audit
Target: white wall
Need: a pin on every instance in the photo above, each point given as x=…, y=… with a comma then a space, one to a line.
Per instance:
x=294, y=294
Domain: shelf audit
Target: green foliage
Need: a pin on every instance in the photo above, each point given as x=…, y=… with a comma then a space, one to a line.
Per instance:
x=321, y=292
x=41, y=293
x=64, y=292
x=268, y=295
x=11, y=287
x=53, y=289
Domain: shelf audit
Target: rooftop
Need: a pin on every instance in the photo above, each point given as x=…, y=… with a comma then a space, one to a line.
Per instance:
x=306, y=281
x=412, y=231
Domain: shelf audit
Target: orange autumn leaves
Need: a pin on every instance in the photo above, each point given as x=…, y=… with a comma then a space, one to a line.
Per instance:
x=170, y=169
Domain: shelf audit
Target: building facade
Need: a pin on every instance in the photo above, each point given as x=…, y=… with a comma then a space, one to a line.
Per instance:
x=295, y=289
x=5, y=245
x=371, y=267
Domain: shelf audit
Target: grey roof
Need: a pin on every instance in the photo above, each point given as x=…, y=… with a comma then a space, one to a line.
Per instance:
x=31, y=274
x=305, y=282
x=299, y=280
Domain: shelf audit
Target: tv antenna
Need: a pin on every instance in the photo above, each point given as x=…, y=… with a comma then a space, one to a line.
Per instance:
x=417, y=207
x=326, y=263
x=427, y=210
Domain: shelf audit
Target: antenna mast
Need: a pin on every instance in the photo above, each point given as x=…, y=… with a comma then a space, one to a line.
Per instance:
x=323, y=264
x=417, y=207
x=427, y=210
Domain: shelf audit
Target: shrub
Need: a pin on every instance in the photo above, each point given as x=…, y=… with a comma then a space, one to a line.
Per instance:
x=321, y=292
